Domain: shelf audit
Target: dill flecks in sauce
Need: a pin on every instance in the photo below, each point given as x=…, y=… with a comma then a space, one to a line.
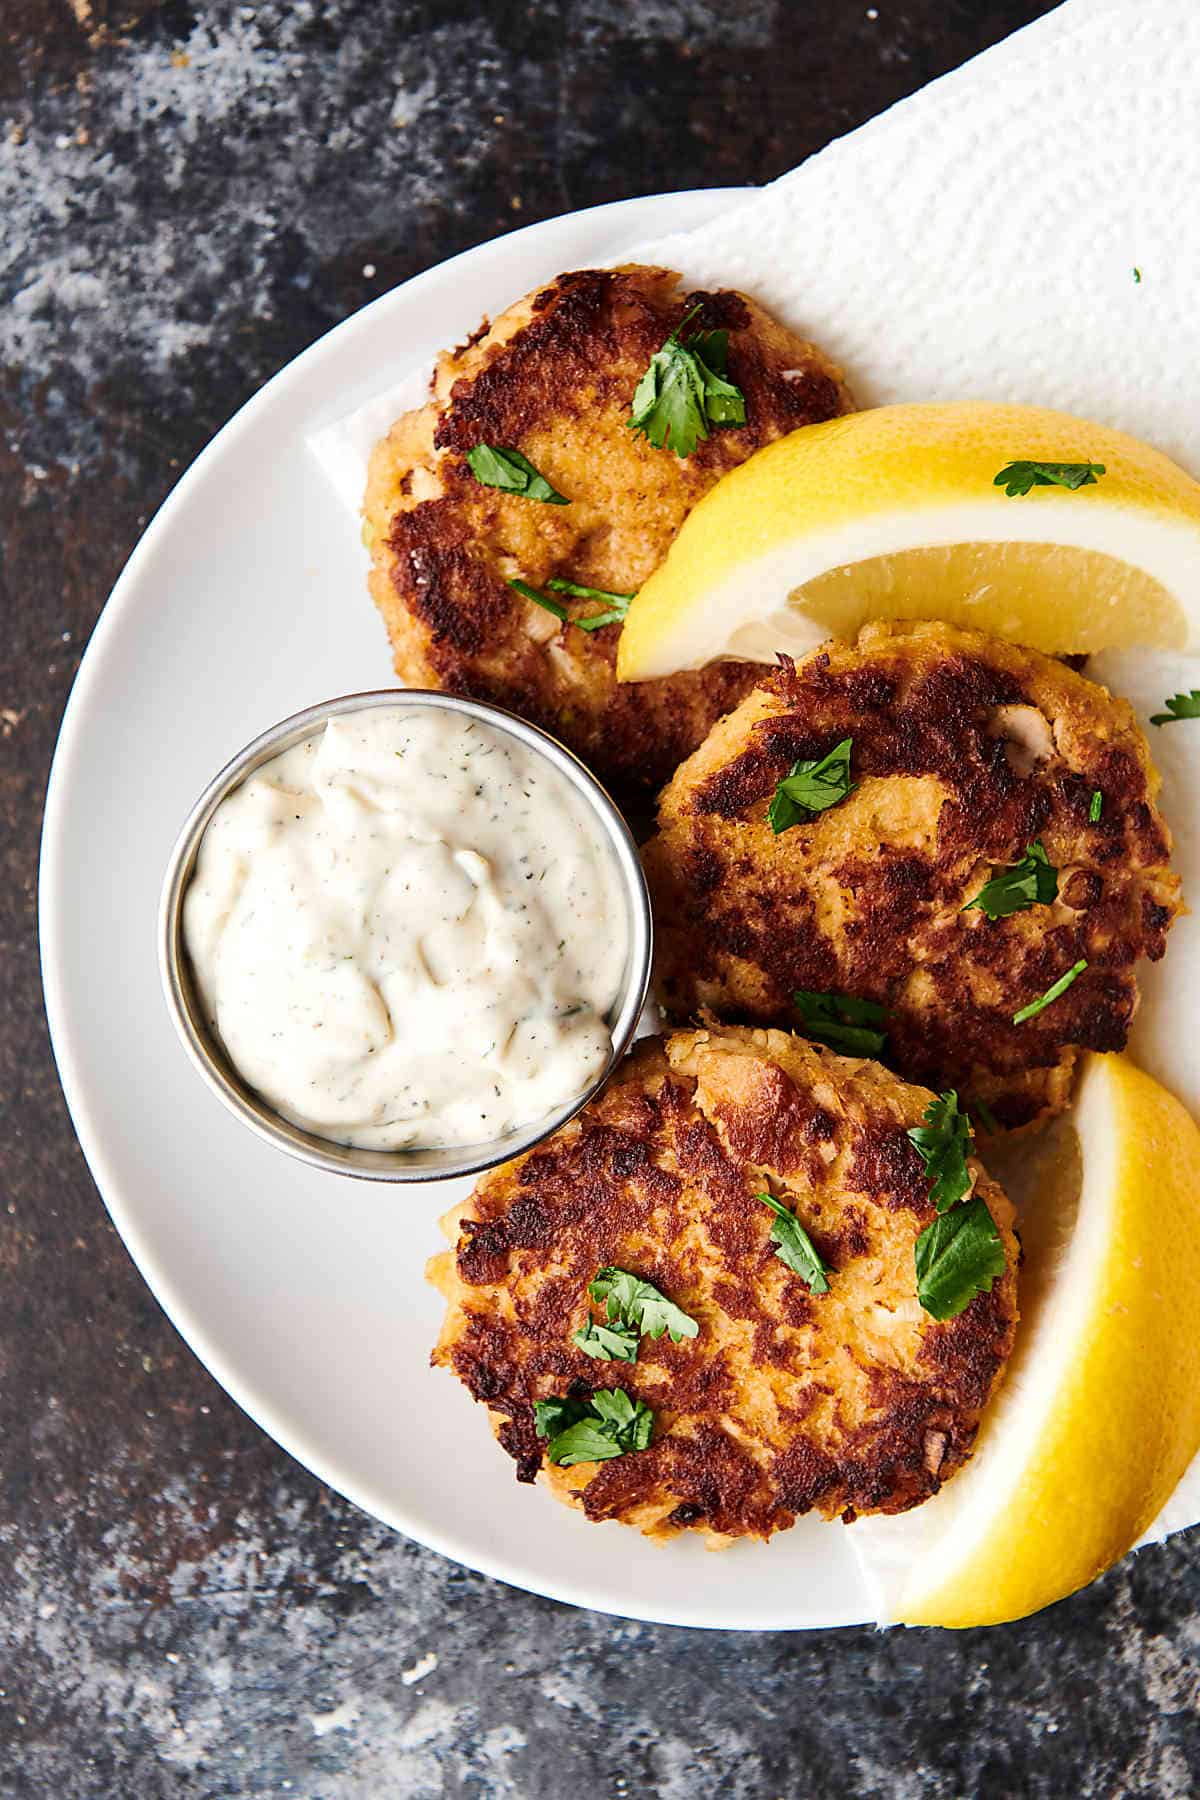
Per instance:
x=407, y=931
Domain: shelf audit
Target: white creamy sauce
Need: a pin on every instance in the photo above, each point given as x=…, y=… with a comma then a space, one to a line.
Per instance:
x=407, y=931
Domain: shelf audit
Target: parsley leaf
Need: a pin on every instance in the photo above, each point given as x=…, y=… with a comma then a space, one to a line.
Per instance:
x=984, y=1114
x=638, y=1306
x=684, y=391
x=618, y=604
x=589, y=593
x=724, y=403
x=607, y=1343
x=842, y=1021
x=811, y=787
x=1096, y=807
x=1052, y=993
x=508, y=469
x=1031, y=882
x=609, y=1424
x=530, y=593
x=958, y=1256
x=554, y=1415
x=1179, y=706
x=943, y=1143
x=1018, y=478
x=794, y=1247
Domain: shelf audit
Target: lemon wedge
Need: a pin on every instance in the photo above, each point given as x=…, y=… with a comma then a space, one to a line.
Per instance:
x=894, y=514
x=1099, y=1413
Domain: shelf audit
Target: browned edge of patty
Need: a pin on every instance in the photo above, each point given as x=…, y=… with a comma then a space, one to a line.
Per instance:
x=740, y=916
x=555, y=377
x=631, y=1178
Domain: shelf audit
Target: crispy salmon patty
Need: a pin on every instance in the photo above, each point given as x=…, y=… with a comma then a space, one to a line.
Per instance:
x=965, y=751
x=554, y=378
x=786, y=1400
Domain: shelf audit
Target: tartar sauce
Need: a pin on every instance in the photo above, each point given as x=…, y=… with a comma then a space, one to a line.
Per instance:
x=407, y=931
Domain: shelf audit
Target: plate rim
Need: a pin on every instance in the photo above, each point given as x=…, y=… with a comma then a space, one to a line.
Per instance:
x=53, y=872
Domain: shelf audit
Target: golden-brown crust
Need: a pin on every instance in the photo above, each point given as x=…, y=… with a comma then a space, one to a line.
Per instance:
x=786, y=1401
x=554, y=377
x=965, y=750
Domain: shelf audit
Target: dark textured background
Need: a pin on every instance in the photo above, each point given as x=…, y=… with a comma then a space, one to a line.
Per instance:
x=189, y=194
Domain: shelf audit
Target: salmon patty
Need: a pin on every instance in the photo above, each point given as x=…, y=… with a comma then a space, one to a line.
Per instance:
x=971, y=761
x=840, y=1397
x=554, y=378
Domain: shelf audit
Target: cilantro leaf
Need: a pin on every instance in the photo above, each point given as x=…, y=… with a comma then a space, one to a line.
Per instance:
x=1179, y=706
x=958, y=1256
x=1031, y=882
x=1052, y=993
x=607, y=1343
x=794, y=1247
x=639, y=1307
x=1096, y=806
x=1017, y=478
x=608, y=1424
x=842, y=1021
x=515, y=474
x=811, y=787
x=943, y=1143
x=684, y=391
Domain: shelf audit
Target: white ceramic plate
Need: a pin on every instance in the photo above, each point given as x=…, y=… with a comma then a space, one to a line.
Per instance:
x=301, y=1291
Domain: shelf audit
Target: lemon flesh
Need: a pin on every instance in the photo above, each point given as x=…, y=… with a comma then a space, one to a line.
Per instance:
x=1099, y=1414
x=894, y=513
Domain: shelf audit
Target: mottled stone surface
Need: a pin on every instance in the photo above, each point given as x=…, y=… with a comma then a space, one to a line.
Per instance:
x=189, y=194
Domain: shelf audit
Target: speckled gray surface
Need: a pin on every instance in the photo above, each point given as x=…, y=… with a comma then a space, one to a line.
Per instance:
x=189, y=195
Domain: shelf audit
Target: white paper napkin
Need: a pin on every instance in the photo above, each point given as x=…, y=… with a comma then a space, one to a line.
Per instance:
x=984, y=238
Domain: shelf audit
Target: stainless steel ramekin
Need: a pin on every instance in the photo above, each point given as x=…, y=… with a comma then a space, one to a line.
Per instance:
x=209, y=1055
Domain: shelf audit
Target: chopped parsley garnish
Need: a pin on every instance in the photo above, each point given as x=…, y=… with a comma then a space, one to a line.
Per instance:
x=580, y=592
x=552, y=1416
x=794, y=1247
x=531, y=593
x=984, y=1114
x=508, y=469
x=958, y=1256
x=943, y=1143
x=608, y=1424
x=811, y=787
x=637, y=1306
x=1179, y=706
x=617, y=605
x=842, y=1021
x=1096, y=807
x=684, y=391
x=1018, y=478
x=607, y=1343
x=1051, y=994
x=1031, y=882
